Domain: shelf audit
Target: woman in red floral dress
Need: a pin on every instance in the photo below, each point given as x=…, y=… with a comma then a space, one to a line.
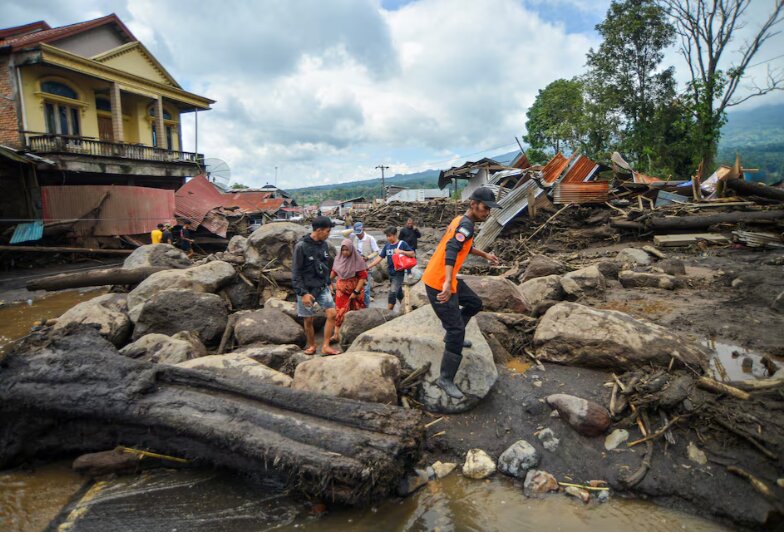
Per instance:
x=350, y=270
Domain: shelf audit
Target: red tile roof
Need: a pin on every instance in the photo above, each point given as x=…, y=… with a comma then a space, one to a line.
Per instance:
x=17, y=41
x=25, y=28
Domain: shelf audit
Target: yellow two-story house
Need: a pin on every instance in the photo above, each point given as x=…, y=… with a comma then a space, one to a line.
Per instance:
x=93, y=106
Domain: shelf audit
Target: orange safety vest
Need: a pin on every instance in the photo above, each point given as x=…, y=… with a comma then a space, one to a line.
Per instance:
x=435, y=273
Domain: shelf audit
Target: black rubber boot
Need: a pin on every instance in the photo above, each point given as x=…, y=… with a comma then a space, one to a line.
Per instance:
x=449, y=365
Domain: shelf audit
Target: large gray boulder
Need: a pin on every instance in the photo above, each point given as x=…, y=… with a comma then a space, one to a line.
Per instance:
x=542, y=288
x=540, y=266
x=174, y=310
x=358, y=321
x=237, y=365
x=160, y=255
x=283, y=358
x=272, y=245
x=365, y=376
x=573, y=334
x=106, y=311
x=634, y=256
x=498, y=294
x=290, y=309
x=160, y=348
x=237, y=245
x=417, y=338
x=268, y=326
x=588, y=281
x=518, y=459
x=207, y=278
x=241, y=295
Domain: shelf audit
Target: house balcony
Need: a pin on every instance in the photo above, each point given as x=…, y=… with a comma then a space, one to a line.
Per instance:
x=89, y=155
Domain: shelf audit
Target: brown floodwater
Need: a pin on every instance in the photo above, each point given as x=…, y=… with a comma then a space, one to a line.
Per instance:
x=17, y=319
x=213, y=500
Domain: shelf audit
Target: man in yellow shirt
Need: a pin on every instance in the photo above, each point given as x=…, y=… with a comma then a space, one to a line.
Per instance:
x=157, y=234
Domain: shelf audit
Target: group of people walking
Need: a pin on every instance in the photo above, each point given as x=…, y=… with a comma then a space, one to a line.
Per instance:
x=350, y=281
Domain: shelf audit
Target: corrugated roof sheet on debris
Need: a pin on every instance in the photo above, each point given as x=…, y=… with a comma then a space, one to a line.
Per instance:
x=124, y=210
x=511, y=206
x=247, y=202
x=29, y=231
x=554, y=168
x=581, y=193
x=196, y=198
x=581, y=170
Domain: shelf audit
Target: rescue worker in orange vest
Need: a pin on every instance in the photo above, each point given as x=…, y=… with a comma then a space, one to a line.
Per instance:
x=453, y=301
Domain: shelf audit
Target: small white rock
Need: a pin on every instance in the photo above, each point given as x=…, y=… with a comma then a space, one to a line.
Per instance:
x=442, y=469
x=615, y=438
x=696, y=455
x=478, y=464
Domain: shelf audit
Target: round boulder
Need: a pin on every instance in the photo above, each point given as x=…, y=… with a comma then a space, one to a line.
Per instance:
x=159, y=255
x=238, y=366
x=106, y=311
x=272, y=245
x=174, y=310
x=518, y=459
x=160, y=348
x=268, y=326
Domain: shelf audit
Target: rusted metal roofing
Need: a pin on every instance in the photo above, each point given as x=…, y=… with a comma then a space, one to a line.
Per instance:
x=195, y=199
x=580, y=171
x=108, y=210
x=554, y=168
x=640, y=178
x=40, y=32
x=247, y=202
x=581, y=192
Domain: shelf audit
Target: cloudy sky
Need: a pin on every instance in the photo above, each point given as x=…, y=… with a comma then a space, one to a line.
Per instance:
x=325, y=90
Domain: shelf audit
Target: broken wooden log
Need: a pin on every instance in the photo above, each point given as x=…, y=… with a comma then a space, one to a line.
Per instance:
x=96, y=277
x=755, y=188
x=693, y=222
x=717, y=387
x=73, y=392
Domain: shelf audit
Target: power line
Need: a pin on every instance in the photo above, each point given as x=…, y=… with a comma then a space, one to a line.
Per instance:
x=766, y=61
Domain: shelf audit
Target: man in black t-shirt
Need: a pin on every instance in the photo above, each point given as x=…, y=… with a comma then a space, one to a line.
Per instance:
x=410, y=234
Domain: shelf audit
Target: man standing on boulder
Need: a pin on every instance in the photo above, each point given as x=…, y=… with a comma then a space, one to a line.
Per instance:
x=310, y=279
x=447, y=294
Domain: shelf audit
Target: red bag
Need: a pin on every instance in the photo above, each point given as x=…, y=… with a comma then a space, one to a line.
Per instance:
x=401, y=262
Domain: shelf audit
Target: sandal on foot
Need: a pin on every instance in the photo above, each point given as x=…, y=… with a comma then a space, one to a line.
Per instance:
x=310, y=351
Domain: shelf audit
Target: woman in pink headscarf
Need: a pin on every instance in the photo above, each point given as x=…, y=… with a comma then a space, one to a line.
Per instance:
x=350, y=270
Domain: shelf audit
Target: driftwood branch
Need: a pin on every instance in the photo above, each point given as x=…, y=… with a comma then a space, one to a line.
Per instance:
x=96, y=277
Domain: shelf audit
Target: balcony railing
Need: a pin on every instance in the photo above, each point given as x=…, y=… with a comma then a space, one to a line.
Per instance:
x=69, y=144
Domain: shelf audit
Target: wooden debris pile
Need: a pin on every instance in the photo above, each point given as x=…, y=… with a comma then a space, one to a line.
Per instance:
x=435, y=213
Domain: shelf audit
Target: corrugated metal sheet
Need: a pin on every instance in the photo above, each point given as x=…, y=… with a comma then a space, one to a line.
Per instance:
x=511, y=206
x=581, y=170
x=640, y=178
x=29, y=231
x=196, y=198
x=418, y=195
x=581, y=193
x=554, y=168
x=125, y=210
x=247, y=202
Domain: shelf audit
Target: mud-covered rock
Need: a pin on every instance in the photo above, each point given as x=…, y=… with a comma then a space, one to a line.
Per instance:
x=160, y=348
x=102, y=463
x=268, y=326
x=610, y=268
x=366, y=376
x=417, y=338
x=272, y=245
x=588, y=281
x=290, y=309
x=540, y=266
x=237, y=245
x=573, y=334
x=175, y=310
x=207, y=278
x=660, y=281
x=498, y=294
x=359, y=321
x=672, y=266
x=241, y=295
x=478, y=464
x=283, y=358
x=542, y=288
x=518, y=459
x=109, y=312
x=586, y=417
x=778, y=303
x=158, y=255
x=236, y=365
x=537, y=482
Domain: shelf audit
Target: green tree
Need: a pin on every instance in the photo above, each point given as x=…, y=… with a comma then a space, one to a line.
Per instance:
x=706, y=28
x=238, y=185
x=556, y=119
x=625, y=84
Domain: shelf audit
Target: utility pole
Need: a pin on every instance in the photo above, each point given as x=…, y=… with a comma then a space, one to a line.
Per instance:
x=276, y=176
x=383, y=189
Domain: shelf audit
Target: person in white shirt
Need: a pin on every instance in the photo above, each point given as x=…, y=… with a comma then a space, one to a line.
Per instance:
x=366, y=245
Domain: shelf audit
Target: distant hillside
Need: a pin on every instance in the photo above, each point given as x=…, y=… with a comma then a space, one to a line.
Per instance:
x=758, y=136
x=372, y=188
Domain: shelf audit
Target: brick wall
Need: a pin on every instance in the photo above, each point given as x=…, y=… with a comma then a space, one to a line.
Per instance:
x=9, y=122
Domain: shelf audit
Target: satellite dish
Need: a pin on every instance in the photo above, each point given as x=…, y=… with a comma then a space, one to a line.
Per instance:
x=218, y=171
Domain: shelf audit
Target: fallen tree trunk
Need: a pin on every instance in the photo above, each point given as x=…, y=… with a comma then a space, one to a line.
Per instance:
x=755, y=188
x=335, y=449
x=693, y=222
x=96, y=277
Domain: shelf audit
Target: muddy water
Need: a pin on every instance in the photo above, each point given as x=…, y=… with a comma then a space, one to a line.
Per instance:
x=17, y=319
x=208, y=500
x=733, y=362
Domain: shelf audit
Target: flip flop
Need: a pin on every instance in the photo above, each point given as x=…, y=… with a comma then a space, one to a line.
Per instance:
x=310, y=351
x=330, y=352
